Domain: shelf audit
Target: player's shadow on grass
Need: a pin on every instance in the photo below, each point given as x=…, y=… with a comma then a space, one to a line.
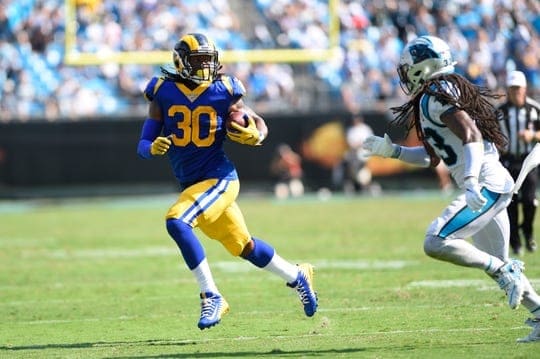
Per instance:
x=250, y=354
x=127, y=344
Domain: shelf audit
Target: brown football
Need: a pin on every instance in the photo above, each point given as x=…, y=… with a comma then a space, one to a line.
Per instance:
x=238, y=117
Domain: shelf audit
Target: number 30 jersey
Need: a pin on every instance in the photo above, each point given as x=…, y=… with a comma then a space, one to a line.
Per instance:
x=196, y=121
x=449, y=147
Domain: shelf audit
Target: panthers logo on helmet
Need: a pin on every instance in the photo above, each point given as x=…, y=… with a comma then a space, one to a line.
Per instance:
x=195, y=58
x=422, y=59
x=421, y=52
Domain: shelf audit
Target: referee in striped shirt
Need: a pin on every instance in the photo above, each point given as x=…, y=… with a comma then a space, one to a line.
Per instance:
x=520, y=122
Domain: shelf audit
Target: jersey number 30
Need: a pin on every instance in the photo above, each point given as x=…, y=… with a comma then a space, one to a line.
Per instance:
x=191, y=125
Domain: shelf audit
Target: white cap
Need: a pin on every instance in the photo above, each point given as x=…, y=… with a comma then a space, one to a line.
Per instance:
x=516, y=78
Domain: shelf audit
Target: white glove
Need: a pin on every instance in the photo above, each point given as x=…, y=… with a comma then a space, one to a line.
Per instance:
x=474, y=198
x=379, y=146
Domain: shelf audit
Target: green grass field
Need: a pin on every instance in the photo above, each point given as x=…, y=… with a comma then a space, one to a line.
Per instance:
x=100, y=278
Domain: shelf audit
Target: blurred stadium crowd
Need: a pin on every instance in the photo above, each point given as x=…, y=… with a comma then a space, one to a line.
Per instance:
x=488, y=37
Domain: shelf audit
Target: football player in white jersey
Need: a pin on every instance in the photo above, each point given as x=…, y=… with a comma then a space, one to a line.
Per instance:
x=458, y=124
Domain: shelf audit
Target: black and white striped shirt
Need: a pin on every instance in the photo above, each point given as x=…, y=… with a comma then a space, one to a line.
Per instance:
x=515, y=119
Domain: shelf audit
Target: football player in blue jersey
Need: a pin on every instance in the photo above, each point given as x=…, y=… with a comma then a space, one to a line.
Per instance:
x=188, y=109
x=458, y=124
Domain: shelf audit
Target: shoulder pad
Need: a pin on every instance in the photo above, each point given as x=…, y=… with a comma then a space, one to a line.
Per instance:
x=233, y=85
x=152, y=87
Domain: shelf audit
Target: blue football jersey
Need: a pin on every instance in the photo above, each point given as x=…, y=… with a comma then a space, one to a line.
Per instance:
x=196, y=120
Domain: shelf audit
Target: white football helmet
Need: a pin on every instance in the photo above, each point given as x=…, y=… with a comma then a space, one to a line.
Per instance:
x=422, y=59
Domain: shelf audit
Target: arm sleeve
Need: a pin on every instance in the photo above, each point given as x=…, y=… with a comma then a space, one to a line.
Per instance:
x=151, y=129
x=415, y=155
x=474, y=154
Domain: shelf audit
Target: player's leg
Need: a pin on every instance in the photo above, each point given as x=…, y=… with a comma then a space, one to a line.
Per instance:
x=491, y=239
x=230, y=229
x=445, y=237
x=528, y=206
x=531, y=301
x=514, y=168
x=445, y=241
x=181, y=219
x=513, y=215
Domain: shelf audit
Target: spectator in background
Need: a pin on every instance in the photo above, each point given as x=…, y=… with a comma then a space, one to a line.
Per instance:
x=520, y=122
x=352, y=174
x=286, y=166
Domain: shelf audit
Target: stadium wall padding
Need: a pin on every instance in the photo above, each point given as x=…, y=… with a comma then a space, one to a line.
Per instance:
x=103, y=151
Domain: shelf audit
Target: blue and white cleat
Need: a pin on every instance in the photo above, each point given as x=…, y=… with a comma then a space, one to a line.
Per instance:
x=213, y=307
x=510, y=280
x=304, y=286
x=533, y=336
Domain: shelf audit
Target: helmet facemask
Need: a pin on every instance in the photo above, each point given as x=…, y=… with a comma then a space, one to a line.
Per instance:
x=196, y=59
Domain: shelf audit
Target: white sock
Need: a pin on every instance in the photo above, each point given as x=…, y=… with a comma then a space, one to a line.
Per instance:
x=282, y=268
x=203, y=275
x=493, y=265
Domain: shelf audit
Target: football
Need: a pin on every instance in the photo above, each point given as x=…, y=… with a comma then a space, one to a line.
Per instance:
x=238, y=117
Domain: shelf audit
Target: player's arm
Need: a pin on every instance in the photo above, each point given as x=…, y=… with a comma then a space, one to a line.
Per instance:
x=462, y=125
x=151, y=143
x=256, y=130
x=383, y=146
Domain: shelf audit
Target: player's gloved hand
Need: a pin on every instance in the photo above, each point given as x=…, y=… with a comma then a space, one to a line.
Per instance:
x=248, y=135
x=160, y=146
x=474, y=198
x=379, y=146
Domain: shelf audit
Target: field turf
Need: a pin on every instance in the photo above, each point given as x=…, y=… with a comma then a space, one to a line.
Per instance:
x=100, y=278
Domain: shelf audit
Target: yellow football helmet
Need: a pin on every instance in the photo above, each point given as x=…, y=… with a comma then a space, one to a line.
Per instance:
x=195, y=58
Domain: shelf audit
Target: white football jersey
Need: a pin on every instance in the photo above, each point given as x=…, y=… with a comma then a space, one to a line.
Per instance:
x=449, y=147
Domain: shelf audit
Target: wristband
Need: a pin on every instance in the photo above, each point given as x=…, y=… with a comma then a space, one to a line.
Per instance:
x=474, y=153
x=396, y=152
x=417, y=156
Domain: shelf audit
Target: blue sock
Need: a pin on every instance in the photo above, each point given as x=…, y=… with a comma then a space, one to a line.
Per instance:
x=261, y=254
x=191, y=248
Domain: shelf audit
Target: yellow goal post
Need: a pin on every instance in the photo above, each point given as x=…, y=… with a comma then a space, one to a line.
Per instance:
x=75, y=58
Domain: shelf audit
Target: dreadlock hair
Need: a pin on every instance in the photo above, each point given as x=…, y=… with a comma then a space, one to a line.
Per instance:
x=169, y=75
x=463, y=95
